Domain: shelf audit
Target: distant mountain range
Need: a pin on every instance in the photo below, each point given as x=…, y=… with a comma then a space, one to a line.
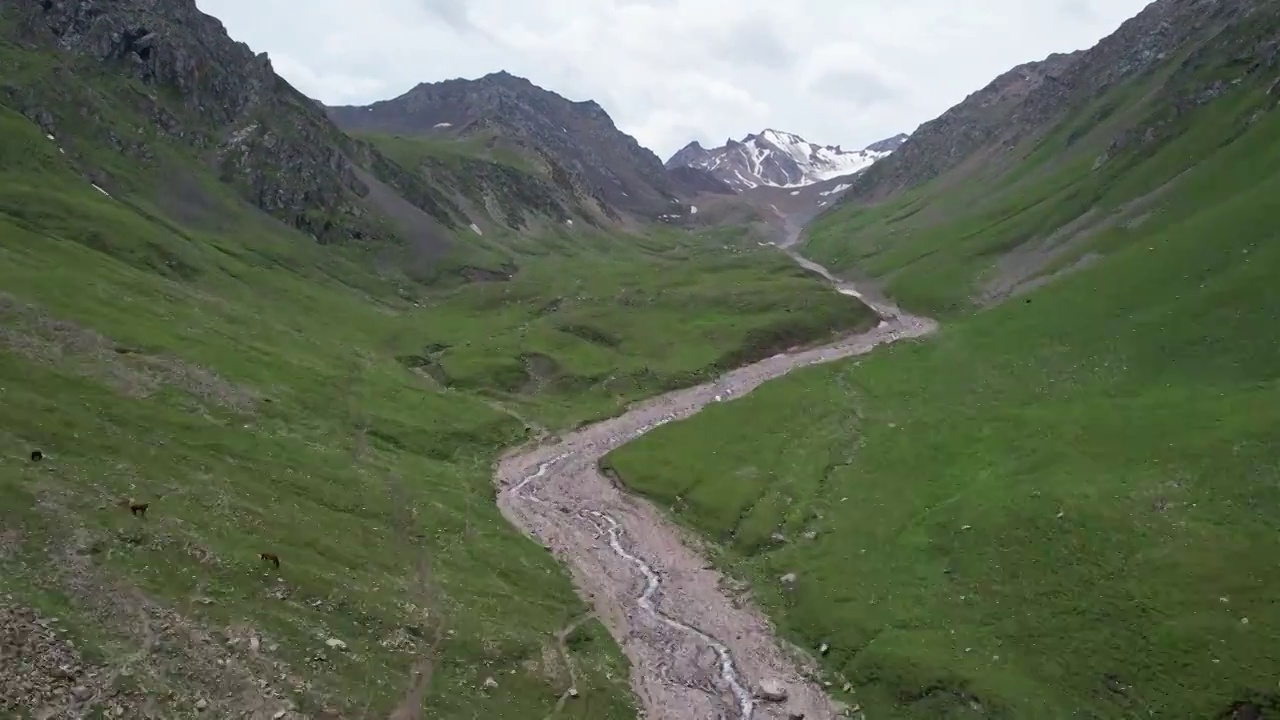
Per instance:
x=779, y=159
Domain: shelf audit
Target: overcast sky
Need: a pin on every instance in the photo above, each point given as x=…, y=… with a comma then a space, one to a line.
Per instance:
x=669, y=71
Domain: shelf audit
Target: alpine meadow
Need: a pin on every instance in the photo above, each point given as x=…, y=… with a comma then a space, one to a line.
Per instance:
x=465, y=404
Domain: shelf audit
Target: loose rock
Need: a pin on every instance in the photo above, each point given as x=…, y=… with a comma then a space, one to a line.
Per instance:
x=773, y=690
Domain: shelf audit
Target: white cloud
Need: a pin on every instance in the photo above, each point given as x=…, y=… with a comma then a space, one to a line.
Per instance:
x=669, y=71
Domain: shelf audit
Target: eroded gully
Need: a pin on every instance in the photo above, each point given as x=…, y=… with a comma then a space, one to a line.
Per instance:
x=697, y=650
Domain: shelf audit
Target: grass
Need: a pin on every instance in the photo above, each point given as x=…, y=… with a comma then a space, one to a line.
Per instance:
x=934, y=246
x=1057, y=507
x=266, y=393
x=574, y=339
x=413, y=151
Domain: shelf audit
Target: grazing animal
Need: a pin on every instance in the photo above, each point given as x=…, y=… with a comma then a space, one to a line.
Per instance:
x=36, y=456
x=271, y=558
x=138, y=508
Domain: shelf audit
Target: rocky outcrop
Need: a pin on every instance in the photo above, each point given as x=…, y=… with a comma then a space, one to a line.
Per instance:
x=590, y=154
x=691, y=181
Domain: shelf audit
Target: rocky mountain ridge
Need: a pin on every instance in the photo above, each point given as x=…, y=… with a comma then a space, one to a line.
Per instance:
x=576, y=144
x=778, y=159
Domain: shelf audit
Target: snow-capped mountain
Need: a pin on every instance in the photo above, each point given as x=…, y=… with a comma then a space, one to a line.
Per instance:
x=779, y=159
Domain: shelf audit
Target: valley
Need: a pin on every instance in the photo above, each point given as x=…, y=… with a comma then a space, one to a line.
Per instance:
x=464, y=403
x=722, y=651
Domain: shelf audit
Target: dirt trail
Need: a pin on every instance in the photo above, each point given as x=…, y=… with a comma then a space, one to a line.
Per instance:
x=695, y=653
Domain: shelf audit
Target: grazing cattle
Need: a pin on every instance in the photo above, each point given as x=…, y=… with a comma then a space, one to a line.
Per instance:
x=271, y=558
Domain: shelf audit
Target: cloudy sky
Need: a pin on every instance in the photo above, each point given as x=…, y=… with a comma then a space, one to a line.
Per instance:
x=669, y=71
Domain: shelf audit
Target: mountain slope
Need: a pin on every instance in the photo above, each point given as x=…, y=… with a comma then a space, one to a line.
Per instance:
x=1026, y=516
x=1176, y=37
x=777, y=159
x=1069, y=142
x=182, y=81
x=575, y=144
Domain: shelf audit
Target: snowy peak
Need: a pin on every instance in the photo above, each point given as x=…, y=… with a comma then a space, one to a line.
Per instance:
x=779, y=159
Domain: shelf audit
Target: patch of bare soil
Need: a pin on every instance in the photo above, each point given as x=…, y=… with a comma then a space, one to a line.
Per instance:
x=161, y=664
x=696, y=649
x=31, y=332
x=42, y=673
x=562, y=648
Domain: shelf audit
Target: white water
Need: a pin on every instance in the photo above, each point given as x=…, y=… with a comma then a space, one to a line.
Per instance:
x=728, y=671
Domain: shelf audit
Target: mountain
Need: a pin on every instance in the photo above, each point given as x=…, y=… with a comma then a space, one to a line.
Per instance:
x=778, y=159
x=180, y=79
x=1023, y=104
x=888, y=145
x=573, y=144
x=178, y=96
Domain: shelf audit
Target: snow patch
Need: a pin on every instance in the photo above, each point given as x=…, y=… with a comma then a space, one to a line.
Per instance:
x=104, y=192
x=839, y=188
x=476, y=229
x=443, y=125
x=693, y=209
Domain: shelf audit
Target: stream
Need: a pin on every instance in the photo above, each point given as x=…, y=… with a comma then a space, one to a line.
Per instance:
x=698, y=650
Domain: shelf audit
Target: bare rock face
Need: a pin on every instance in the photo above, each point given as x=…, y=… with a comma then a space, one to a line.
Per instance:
x=889, y=144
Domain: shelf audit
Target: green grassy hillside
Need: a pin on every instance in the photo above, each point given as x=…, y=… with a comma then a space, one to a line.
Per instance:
x=412, y=151
x=266, y=393
x=1062, y=506
x=1013, y=216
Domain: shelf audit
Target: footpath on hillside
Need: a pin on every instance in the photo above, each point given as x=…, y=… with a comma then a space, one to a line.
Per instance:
x=697, y=649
